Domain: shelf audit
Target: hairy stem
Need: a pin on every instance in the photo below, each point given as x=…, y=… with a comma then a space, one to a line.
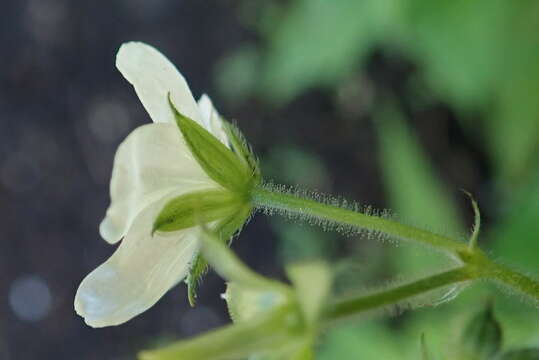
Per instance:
x=360, y=304
x=294, y=205
x=515, y=280
x=477, y=264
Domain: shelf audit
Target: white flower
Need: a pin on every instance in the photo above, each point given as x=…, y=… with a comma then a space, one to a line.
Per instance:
x=152, y=166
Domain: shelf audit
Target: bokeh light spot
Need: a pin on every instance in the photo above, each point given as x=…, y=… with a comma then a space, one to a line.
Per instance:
x=108, y=120
x=30, y=298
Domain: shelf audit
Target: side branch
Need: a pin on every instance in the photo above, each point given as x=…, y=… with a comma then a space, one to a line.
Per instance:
x=354, y=306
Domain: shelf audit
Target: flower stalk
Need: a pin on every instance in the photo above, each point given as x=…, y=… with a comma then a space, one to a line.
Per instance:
x=264, y=198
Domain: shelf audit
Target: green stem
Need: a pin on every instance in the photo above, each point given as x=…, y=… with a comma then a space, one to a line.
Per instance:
x=477, y=264
x=517, y=281
x=291, y=204
x=355, y=306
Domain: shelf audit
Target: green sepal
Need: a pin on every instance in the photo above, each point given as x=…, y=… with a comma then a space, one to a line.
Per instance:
x=218, y=161
x=229, y=266
x=482, y=336
x=195, y=208
x=197, y=271
x=225, y=231
x=312, y=281
x=243, y=150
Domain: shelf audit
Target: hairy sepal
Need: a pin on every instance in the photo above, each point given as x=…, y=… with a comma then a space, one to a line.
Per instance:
x=219, y=162
x=225, y=231
x=197, y=208
x=243, y=150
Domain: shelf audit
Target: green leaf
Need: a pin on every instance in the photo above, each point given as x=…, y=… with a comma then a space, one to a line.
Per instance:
x=243, y=150
x=482, y=337
x=521, y=354
x=218, y=161
x=225, y=230
x=196, y=208
x=237, y=74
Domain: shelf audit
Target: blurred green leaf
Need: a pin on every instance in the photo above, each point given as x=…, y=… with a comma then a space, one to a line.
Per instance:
x=424, y=349
x=236, y=74
x=298, y=242
x=344, y=30
x=458, y=45
x=523, y=354
x=482, y=336
x=289, y=164
x=513, y=125
x=370, y=340
x=415, y=191
x=516, y=237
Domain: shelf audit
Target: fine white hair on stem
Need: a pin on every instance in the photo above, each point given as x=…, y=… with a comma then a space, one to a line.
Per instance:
x=428, y=299
x=339, y=202
x=511, y=290
x=325, y=224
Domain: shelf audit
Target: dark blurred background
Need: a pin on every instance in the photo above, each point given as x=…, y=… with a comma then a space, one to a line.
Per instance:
x=394, y=104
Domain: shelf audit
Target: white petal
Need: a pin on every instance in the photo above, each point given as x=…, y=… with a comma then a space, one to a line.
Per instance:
x=153, y=77
x=151, y=162
x=211, y=119
x=138, y=274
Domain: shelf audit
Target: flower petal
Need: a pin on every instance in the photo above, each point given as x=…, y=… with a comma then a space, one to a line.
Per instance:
x=152, y=161
x=211, y=120
x=153, y=76
x=139, y=273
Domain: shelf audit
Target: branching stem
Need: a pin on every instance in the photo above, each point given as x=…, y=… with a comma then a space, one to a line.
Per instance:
x=475, y=262
x=349, y=307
